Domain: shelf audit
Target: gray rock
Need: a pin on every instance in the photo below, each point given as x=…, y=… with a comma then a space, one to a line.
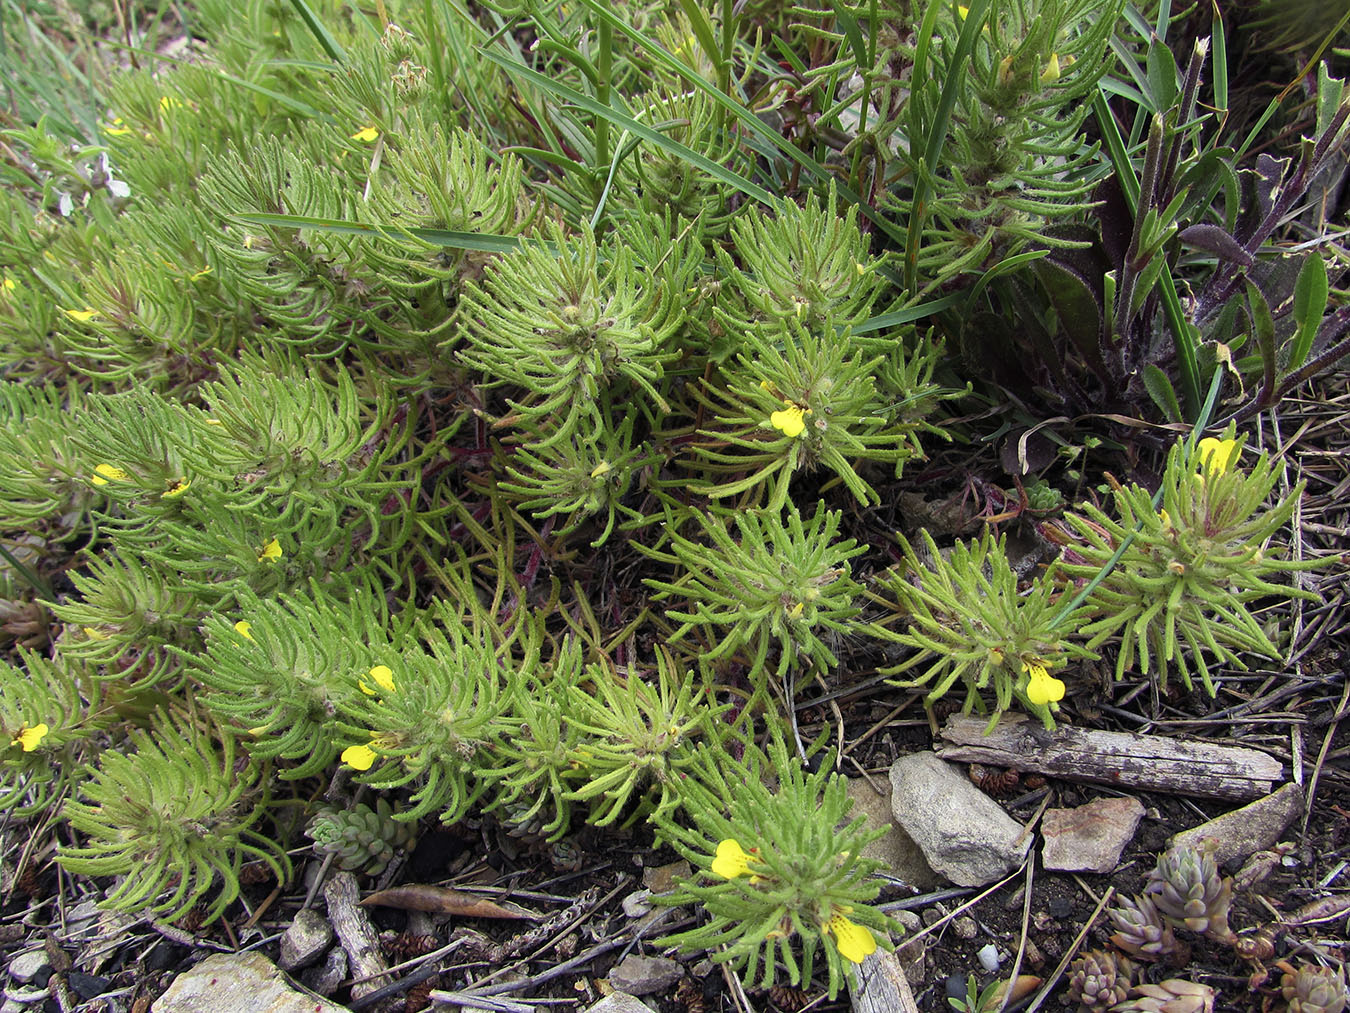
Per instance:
x=963, y=833
x=1250, y=829
x=326, y=978
x=231, y=982
x=620, y=1002
x=913, y=955
x=638, y=975
x=895, y=848
x=637, y=904
x=24, y=1000
x=304, y=940
x=26, y=966
x=1090, y=837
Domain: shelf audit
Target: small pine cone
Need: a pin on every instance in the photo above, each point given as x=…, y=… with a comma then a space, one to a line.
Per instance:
x=1142, y=932
x=1189, y=892
x=1312, y=989
x=1175, y=995
x=1099, y=979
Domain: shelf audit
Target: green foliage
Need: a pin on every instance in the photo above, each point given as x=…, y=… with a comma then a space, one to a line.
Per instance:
x=360, y=838
x=176, y=816
x=50, y=715
x=773, y=582
x=968, y=620
x=1188, y=572
x=639, y=739
x=780, y=869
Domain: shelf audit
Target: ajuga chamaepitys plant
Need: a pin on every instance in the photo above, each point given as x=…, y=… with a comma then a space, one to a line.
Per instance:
x=638, y=738
x=175, y=816
x=1178, y=596
x=49, y=713
x=772, y=581
x=780, y=869
x=968, y=621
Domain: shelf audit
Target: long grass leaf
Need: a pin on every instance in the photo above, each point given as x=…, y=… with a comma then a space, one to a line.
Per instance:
x=321, y=34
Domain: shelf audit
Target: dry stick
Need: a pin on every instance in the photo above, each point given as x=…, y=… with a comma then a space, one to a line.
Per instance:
x=1321, y=759
x=1064, y=961
x=1022, y=940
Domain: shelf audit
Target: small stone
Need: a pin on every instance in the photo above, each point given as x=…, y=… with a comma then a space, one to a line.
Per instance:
x=31, y=966
x=304, y=940
x=1091, y=837
x=639, y=975
x=87, y=986
x=230, y=982
x=965, y=927
x=24, y=1000
x=896, y=849
x=637, y=903
x=620, y=1002
x=662, y=878
x=913, y=955
x=963, y=833
x=988, y=957
x=326, y=978
x=1248, y=830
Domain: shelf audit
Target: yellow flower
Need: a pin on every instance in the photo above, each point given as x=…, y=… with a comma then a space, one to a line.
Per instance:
x=199, y=275
x=108, y=472
x=359, y=757
x=731, y=860
x=243, y=628
x=81, y=316
x=1043, y=688
x=167, y=102
x=1216, y=455
x=791, y=420
x=95, y=634
x=30, y=738
x=117, y=128
x=1051, y=72
x=7, y=285
x=601, y=470
x=1166, y=519
x=384, y=679
x=270, y=551
x=366, y=135
x=853, y=941
x=177, y=489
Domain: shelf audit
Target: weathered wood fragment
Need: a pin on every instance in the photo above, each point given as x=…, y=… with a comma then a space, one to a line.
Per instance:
x=878, y=985
x=1120, y=759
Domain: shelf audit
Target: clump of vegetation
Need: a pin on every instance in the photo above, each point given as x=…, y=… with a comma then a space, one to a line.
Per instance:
x=499, y=409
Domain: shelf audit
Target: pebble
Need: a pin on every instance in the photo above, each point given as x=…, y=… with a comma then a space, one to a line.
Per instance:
x=620, y=1002
x=30, y=966
x=639, y=975
x=231, y=982
x=637, y=903
x=326, y=978
x=87, y=986
x=304, y=940
x=1252, y=828
x=964, y=834
x=965, y=927
x=988, y=957
x=1091, y=837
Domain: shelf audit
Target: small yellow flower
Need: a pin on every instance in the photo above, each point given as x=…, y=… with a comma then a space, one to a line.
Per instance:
x=731, y=860
x=601, y=470
x=176, y=490
x=791, y=420
x=30, y=738
x=359, y=757
x=1043, y=688
x=384, y=679
x=81, y=316
x=105, y=473
x=1216, y=455
x=117, y=128
x=1166, y=519
x=199, y=275
x=1050, y=74
x=7, y=285
x=366, y=135
x=95, y=634
x=167, y=102
x=853, y=941
x=243, y=627
x=270, y=551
